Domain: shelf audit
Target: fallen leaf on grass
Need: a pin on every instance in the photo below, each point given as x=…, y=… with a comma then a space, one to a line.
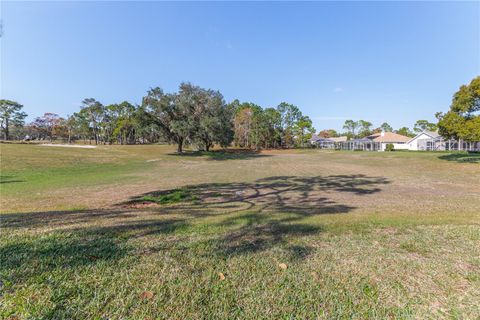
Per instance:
x=221, y=276
x=283, y=266
x=147, y=295
x=93, y=257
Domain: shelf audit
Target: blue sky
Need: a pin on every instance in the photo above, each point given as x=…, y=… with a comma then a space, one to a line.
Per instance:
x=378, y=61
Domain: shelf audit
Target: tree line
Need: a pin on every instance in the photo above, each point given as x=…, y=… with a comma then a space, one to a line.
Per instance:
x=201, y=118
x=192, y=116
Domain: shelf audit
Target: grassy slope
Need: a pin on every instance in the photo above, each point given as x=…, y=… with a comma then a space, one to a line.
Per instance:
x=363, y=234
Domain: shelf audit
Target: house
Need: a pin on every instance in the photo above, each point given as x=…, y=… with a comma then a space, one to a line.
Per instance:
x=326, y=143
x=383, y=138
x=432, y=141
x=364, y=144
x=376, y=142
x=425, y=140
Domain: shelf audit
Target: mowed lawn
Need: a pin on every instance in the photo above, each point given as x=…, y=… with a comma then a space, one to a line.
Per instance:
x=138, y=232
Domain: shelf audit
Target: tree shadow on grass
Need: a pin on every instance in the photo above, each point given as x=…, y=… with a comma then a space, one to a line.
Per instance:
x=464, y=157
x=259, y=232
x=36, y=256
x=222, y=155
x=55, y=260
x=61, y=252
x=265, y=213
x=61, y=218
x=303, y=196
x=57, y=251
x=226, y=219
x=9, y=179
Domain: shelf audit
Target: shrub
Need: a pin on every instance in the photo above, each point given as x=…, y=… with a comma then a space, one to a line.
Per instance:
x=389, y=147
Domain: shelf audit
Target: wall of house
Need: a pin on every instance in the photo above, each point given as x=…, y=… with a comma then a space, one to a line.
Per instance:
x=413, y=144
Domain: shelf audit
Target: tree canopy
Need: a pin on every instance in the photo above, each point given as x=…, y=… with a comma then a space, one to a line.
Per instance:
x=328, y=133
x=357, y=129
x=386, y=127
x=193, y=115
x=422, y=125
x=351, y=127
x=11, y=114
x=405, y=131
x=284, y=126
x=463, y=119
x=365, y=128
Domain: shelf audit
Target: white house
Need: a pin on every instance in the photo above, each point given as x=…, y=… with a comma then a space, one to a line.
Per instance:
x=425, y=140
x=432, y=141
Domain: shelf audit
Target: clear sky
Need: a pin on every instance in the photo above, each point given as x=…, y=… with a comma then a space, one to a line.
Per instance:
x=378, y=61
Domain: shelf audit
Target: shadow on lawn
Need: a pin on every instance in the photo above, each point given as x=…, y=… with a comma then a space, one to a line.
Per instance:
x=464, y=157
x=9, y=179
x=57, y=251
x=79, y=244
x=239, y=219
x=269, y=211
x=221, y=155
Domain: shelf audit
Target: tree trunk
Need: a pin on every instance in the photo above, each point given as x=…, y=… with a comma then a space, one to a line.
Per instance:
x=180, y=146
x=6, y=129
x=208, y=145
x=95, y=134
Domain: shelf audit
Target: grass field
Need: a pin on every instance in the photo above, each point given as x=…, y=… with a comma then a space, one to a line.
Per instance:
x=139, y=232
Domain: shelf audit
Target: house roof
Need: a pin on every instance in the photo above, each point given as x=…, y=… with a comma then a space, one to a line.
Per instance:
x=316, y=138
x=389, y=137
x=431, y=134
x=365, y=139
x=339, y=139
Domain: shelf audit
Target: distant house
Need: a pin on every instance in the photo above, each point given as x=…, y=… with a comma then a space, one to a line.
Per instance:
x=364, y=144
x=399, y=141
x=426, y=140
x=432, y=141
x=326, y=143
x=376, y=142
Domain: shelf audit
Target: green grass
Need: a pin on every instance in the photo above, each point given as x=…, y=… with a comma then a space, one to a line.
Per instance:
x=470, y=157
x=174, y=196
x=363, y=235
